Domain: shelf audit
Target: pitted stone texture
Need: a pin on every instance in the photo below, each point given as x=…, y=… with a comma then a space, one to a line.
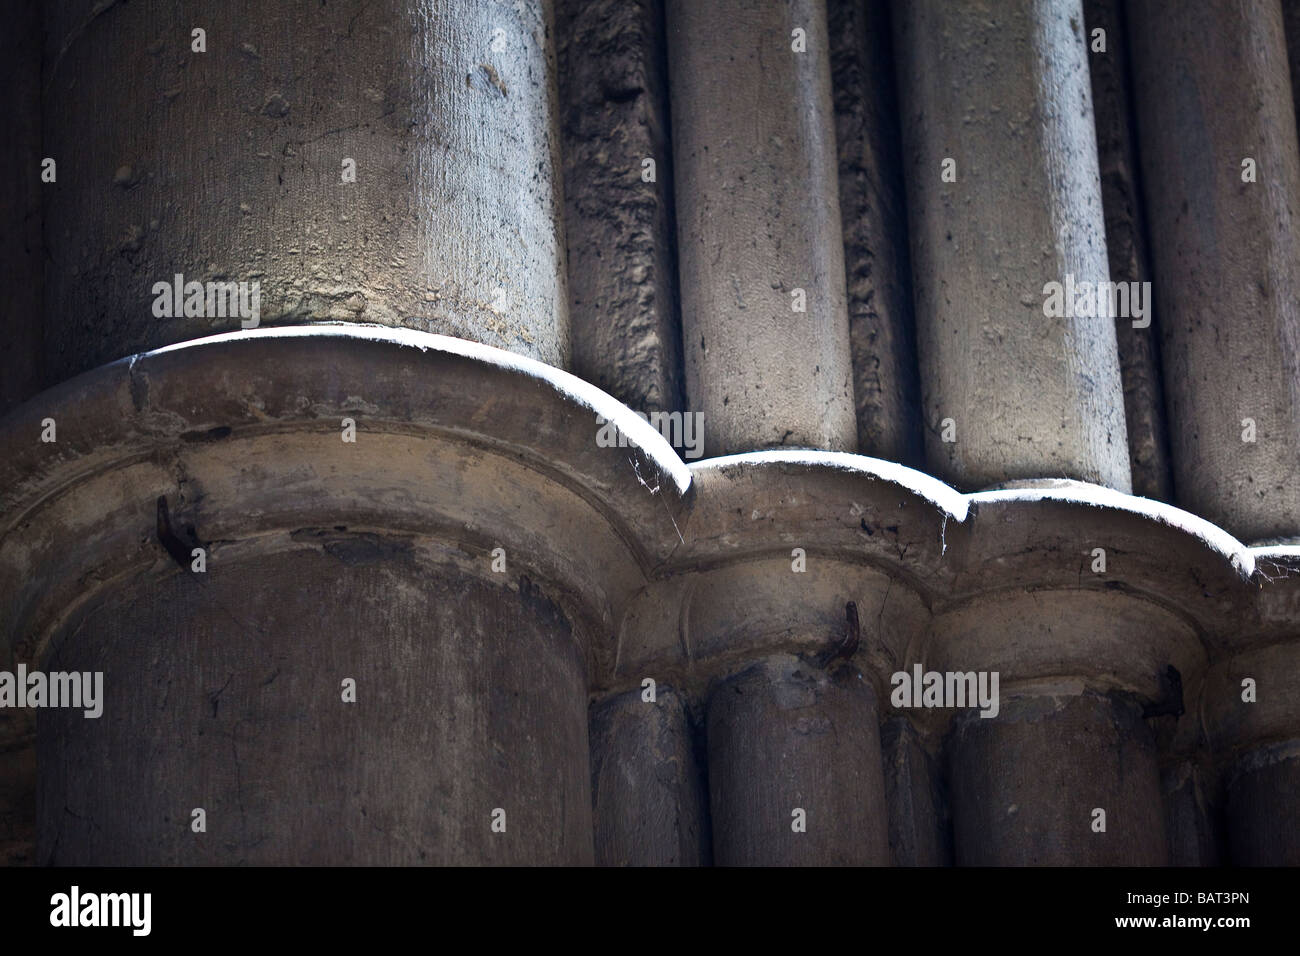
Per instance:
x=225, y=693
x=1126, y=248
x=1001, y=87
x=873, y=210
x=757, y=219
x=782, y=737
x=622, y=270
x=647, y=783
x=1025, y=785
x=228, y=165
x=1212, y=88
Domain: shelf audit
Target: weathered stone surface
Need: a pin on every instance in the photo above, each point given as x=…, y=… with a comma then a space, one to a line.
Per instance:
x=920, y=828
x=758, y=219
x=1263, y=812
x=314, y=568
x=1001, y=89
x=1026, y=784
x=647, y=783
x=20, y=205
x=1212, y=89
x=225, y=693
x=621, y=563
x=622, y=267
x=1191, y=816
x=1126, y=250
x=18, y=802
x=873, y=211
x=228, y=165
x=1291, y=24
x=784, y=738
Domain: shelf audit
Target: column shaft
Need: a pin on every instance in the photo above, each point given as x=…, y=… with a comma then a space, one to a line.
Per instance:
x=795, y=773
x=465, y=741
x=379, y=162
x=1222, y=177
x=919, y=824
x=1030, y=782
x=647, y=786
x=758, y=224
x=1003, y=198
x=1263, y=812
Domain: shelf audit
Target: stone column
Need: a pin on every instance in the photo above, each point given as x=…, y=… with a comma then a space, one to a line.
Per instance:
x=1029, y=784
x=1000, y=158
x=796, y=591
x=1066, y=595
x=360, y=665
x=18, y=797
x=920, y=828
x=647, y=786
x=1222, y=173
x=761, y=255
x=236, y=163
x=1252, y=716
x=230, y=696
x=795, y=768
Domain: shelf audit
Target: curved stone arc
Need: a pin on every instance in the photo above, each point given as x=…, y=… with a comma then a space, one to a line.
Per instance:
x=755, y=508
x=720, y=525
x=758, y=633
x=704, y=625
x=178, y=394
x=1013, y=531
x=735, y=564
x=738, y=611
x=157, y=414
x=21, y=460
x=241, y=434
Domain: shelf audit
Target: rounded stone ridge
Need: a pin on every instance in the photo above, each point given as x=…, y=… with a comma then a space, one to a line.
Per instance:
x=246, y=434
x=850, y=505
x=1047, y=534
